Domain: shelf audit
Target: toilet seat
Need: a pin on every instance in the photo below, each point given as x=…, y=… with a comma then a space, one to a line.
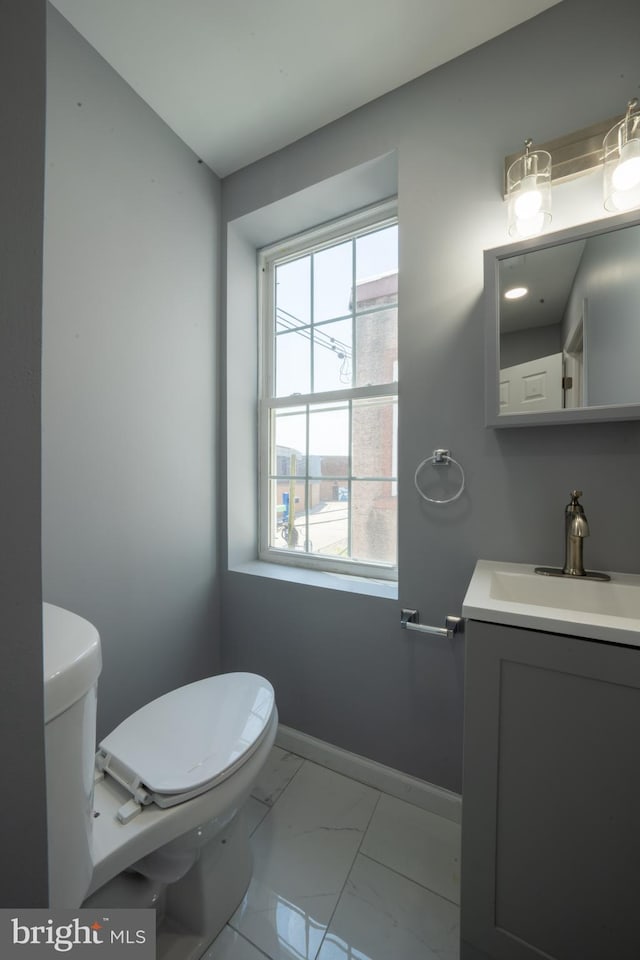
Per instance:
x=187, y=741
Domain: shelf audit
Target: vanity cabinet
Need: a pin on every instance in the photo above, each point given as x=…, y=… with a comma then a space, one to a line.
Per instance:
x=551, y=797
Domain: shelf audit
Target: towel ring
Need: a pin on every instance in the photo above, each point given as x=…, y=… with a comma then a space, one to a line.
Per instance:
x=439, y=457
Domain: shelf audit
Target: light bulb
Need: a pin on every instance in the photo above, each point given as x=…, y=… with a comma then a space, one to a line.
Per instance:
x=626, y=175
x=529, y=193
x=529, y=200
x=621, y=200
x=621, y=152
x=530, y=226
x=515, y=293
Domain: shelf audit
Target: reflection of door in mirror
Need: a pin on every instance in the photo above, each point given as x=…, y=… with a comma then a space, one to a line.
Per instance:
x=574, y=382
x=573, y=296
x=532, y=386
x=556, y=284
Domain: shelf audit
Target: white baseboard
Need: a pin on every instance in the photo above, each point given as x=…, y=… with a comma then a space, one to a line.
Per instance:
x=435, y=799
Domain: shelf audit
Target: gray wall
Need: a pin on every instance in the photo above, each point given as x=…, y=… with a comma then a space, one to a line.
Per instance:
x=129, y=392
x=609, y=279
x=342, y=669
x=530, y=344
x=22, y=109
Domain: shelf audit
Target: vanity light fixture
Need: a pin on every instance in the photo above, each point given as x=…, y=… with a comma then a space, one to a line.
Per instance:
x=529, y=192
x=613, y=145
x=515, y=293
x=621, y=148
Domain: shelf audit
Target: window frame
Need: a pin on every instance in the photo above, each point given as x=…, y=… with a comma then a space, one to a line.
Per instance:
x=349, y=227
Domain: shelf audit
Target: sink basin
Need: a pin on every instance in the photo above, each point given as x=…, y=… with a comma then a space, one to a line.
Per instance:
x=513, y=593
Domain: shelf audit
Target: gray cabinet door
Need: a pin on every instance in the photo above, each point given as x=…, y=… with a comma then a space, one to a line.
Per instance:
x=551, y=797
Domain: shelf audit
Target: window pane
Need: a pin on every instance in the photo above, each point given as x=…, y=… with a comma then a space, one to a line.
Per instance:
x=328, y=437
x=332, y=355
x=374, y=525
x=290, y=430
x=287, y=526
x=376, y=347
x=321, y=527
x=377, y=254
x=331, y=487
x=329, y=528
x=293, y=368
x=293, y=293
x=374, y=437
x=332, y=282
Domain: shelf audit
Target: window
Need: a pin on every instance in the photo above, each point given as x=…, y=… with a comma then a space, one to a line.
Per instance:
x=328, y=417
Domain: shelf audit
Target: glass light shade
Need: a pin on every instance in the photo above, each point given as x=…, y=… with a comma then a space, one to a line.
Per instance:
x=621, y=148
x=529, y=194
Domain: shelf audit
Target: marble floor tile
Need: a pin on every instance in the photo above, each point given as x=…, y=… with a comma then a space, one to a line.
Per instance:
x=417, y=844
x=303, y=852
x=229, y=945
x=383, y=916
x=255, y=811
x=277, y=772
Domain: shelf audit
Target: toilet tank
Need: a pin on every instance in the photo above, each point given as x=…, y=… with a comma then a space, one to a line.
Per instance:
x=72, y=663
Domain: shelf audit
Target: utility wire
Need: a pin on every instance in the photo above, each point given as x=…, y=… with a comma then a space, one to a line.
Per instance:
x=290, y=322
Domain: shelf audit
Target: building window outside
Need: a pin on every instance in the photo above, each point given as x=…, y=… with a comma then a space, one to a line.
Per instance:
x=328, y=418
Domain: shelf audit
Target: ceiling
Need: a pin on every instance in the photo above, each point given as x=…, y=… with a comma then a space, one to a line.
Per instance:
x=548, y=275
x=238, y=79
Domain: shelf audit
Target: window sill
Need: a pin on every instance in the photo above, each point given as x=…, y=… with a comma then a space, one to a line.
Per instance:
x=387, y=590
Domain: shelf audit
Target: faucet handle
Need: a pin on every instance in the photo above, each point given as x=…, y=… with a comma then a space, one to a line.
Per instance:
x=575, y=495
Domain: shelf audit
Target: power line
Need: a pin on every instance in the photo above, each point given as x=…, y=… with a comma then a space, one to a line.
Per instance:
x=291, y=322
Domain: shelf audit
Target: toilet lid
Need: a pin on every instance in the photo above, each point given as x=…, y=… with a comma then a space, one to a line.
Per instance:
x=191, y=738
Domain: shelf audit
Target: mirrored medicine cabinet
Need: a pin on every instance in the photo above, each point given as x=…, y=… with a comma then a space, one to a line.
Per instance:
x=563, y=326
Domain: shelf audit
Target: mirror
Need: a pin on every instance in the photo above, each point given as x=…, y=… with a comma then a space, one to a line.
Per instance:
x=563, y=326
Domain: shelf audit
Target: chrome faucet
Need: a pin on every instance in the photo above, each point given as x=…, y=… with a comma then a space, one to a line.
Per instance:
x=576, y=529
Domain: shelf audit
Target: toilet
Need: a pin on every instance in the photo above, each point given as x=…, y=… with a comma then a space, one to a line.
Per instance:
x=154, y=818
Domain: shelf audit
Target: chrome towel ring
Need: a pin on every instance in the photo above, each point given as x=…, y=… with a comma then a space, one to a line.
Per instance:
x=439, y=458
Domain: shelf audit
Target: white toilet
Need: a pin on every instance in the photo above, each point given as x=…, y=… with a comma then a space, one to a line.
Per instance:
x=155, y=818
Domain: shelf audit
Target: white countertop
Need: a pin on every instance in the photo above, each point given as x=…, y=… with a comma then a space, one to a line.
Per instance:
x=512, y=593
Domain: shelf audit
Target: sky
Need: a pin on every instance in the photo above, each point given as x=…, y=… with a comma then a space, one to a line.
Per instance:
x=325, y=300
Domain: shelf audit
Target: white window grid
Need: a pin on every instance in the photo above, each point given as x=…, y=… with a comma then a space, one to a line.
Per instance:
x=348, y=228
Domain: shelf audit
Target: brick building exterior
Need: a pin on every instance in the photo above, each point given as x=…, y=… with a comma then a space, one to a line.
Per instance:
x=372, y=502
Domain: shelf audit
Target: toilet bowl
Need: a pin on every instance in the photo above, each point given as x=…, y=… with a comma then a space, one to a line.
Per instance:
x=162, y=799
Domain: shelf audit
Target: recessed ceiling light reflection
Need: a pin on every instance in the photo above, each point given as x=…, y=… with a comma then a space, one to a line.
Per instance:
x=515, y=293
